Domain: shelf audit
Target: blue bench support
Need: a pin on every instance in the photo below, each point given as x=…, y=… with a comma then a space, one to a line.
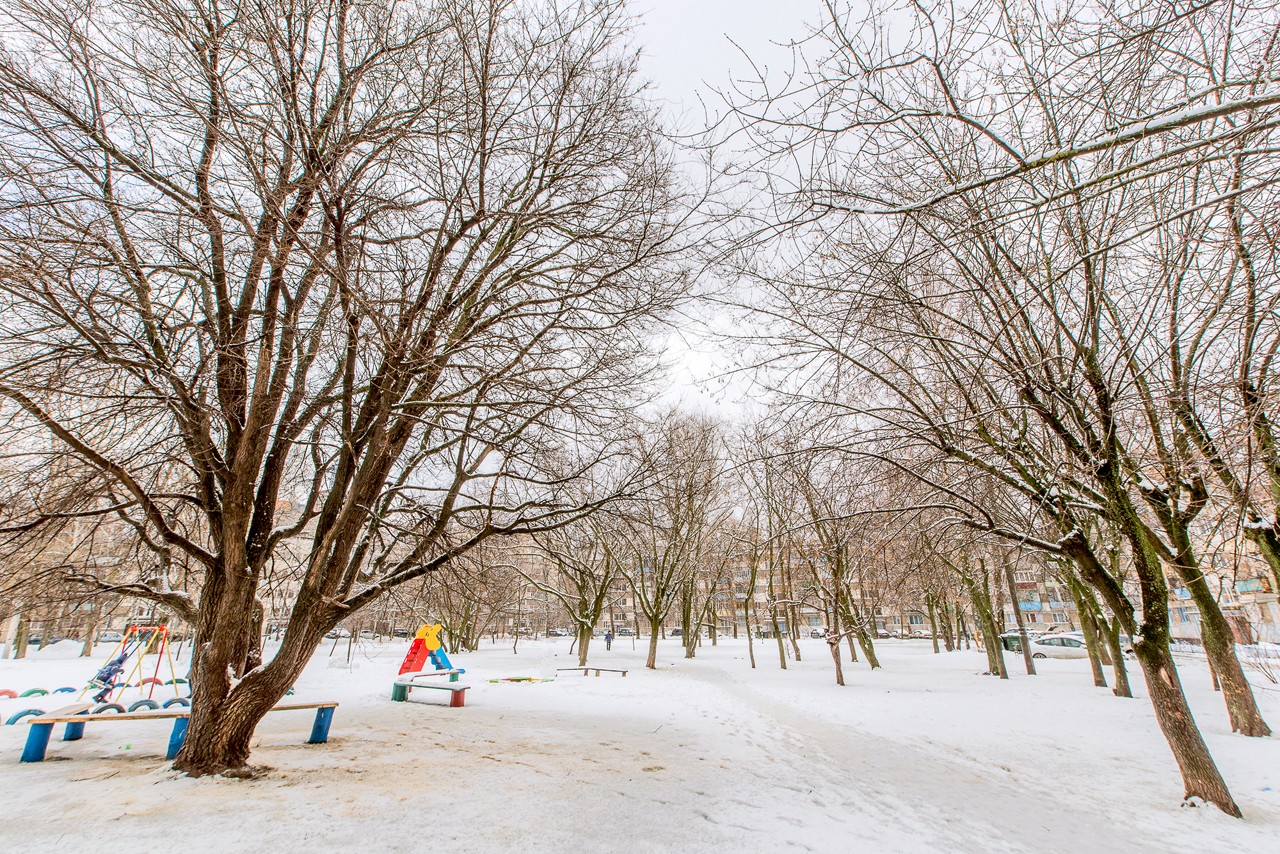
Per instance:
x=37, y=741
x=320, y=729
x=177, y=737
x=74, y=732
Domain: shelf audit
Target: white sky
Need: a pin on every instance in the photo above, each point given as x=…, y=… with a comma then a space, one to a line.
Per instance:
x=688, y=48
x=687, y=43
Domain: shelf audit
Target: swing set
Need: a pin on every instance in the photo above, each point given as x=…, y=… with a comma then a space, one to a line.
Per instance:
x=138, y=643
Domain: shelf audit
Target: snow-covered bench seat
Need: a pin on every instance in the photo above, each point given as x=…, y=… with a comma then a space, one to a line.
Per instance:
x=457, y=693
x=42, y=727
x=596, y=670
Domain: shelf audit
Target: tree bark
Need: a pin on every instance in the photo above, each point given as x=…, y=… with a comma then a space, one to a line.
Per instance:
x=868, y=648
x=1017, y=616
x=1220, y=649
x=833, y=643
x=933, y=625
x=987, y=622
x=584, y=641
x=90, y=631
x=1200, y=775
x=655, y=625
x=1085, y=605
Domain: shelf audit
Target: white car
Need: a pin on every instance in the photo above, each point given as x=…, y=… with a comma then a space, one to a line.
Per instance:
x=1059, y=646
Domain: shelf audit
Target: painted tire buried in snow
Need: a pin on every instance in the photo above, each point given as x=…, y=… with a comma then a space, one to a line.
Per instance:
x=6, y=693
x=34, y=692
x=25, y=713
x=144, y=704
x=114, y=708
x=177, y=701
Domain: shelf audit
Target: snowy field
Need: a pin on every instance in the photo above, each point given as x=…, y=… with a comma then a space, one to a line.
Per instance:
x=702, y=755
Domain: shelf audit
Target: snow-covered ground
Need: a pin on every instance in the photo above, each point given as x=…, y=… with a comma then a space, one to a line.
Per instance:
x=700, y=755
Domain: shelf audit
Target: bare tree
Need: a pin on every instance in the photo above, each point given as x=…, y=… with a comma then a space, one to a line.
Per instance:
x=997, y=306
x=664, y=534
x=390, y=262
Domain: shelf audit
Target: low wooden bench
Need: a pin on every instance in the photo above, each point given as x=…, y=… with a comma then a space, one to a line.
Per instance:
x=423, y=674
x=597, y=670
x=42, y=727
x=457, y=693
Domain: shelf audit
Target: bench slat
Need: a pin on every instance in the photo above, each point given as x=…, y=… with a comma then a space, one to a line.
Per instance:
x=157, y=714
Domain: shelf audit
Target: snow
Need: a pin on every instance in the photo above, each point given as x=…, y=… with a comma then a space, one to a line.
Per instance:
x=702, y=754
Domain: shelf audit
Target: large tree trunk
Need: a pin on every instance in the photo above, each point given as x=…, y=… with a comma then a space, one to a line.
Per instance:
x=222, y=724
x=933, y=625
x=584, y=641
x=1119, y=669
x=1093, y=645
x=833, y=643
x=1017, y=616
x=1220, y=648
x=90, y=631
x=1085, y=607
x=948, y=638
x=777, y=636
x=226, y=701
x=1200, y=776
x=655, y=626
x=868, y=648
x=20, y=641
x=987, y=624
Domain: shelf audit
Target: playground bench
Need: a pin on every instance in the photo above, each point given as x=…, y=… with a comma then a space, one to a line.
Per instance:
x=42, y=727
x=457, y=693
x=451, y=673
x=596, y=670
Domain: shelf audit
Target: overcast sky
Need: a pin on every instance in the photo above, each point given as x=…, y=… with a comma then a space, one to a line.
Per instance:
x=686, y=46
x=687, y=42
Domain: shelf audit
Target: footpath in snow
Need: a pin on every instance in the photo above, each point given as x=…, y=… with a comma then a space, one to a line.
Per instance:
x=699, y=755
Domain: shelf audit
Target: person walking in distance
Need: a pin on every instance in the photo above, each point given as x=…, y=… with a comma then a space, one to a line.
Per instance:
x=608, y=639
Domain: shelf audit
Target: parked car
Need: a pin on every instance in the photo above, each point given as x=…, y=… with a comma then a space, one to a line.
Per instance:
x=675, y=633
x=339, y=633
x=1058, y=646
x=1012, y=640
x=400, y=633
x=817, y=633
x=1126, y=643
x=625, y=631
x=883, y=633
x=366, y=634
x=920, y=633
x=559, y=633
x=110, y=637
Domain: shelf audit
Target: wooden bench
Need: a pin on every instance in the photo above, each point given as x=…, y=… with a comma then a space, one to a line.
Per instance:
x=422, y=674
x=42, y=727
x=457, y=693
x=598, y=670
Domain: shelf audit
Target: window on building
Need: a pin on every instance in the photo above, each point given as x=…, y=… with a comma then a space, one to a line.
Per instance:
x=915, y=619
